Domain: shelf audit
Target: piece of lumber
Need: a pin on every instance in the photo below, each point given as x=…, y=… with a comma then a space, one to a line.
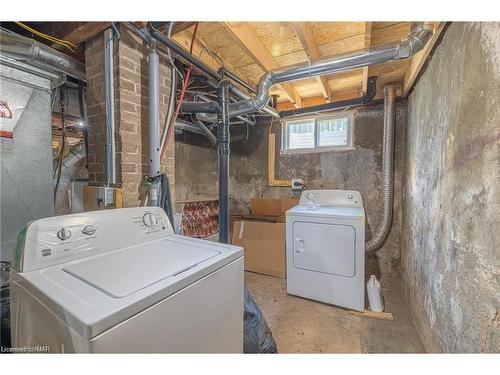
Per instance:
x=304, y=32
x=372, y=314
x=271, y=152
x=367, y=43
x=418, y=60
x=246, y=37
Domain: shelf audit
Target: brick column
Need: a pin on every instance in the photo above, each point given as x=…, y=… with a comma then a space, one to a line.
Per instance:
x=131, y=114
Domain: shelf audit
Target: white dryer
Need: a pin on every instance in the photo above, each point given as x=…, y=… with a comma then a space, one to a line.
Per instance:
x=325, y=248
x=121, y=281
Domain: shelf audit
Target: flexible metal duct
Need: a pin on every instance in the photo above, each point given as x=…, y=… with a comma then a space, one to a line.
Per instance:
x=418, y=38
x=387, y=189
x=29, y=49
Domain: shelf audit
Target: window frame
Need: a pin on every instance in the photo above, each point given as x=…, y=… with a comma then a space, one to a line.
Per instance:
x=285, y=138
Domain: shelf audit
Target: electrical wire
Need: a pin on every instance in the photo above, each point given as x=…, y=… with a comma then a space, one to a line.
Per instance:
x=51, y=38
x=181, y=97
x=171, y=126
x=63, y=140
x=169, y=35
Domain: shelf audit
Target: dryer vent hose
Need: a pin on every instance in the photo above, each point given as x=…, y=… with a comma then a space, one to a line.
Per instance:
x=387, y=190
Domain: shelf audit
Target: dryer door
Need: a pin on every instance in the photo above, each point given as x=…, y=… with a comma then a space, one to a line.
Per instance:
x=327, y=248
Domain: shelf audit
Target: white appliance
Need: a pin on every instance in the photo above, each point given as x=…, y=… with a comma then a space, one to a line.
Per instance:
x=325, y=242
x=121, y=281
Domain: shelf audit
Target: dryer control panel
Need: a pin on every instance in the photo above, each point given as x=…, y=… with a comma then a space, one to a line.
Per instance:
x=54, y=240
x=330, y=198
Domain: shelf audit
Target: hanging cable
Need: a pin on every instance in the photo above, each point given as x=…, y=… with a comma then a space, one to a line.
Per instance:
x=62, y=109
x=185, y=85
x=171, y=126
x=62, y=42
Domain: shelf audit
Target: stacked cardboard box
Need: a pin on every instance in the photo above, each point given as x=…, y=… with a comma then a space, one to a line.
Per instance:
x=262, y=235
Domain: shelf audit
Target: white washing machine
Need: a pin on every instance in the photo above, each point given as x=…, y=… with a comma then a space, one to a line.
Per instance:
x=121, y=281
x=325, y=248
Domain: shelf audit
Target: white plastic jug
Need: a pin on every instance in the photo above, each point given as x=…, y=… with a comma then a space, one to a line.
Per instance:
x=374, y=296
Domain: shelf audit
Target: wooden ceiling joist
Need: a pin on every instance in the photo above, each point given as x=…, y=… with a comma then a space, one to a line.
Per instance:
x=366, y=69
x=84, y=32
x=246, y=37
x=418, y=60
x=306, y=37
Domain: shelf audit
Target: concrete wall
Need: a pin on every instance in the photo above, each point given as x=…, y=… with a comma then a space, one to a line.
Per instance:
x=451, y=245
x=358, y=169
x=131, y=114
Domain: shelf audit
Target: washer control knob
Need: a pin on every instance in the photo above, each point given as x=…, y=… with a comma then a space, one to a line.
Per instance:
x=89, y=230
x=149, y=219
x=63, y=234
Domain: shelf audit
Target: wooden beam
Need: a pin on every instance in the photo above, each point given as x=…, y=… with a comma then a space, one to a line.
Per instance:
x=304, y=32
x=271, y=155
x=81, y=33
x=178, y=26
x=367, y=43
x=372, y=314
x=249, y=41
x=418, y=60
x=78, y=33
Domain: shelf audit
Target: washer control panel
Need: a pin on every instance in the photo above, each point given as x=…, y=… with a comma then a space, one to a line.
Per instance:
x=54, y=240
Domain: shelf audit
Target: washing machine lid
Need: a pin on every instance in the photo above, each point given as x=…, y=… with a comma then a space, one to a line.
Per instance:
x=122, y=273
x=94, y=294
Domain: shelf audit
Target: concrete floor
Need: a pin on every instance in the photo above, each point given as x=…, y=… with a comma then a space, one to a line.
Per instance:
x=303, y=326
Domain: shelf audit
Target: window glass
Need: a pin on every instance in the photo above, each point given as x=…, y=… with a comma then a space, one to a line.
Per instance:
x=333, y=132
x=300, y=135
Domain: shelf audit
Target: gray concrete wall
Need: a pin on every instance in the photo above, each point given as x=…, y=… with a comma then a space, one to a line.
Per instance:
x=451, y=243
x=358, y=169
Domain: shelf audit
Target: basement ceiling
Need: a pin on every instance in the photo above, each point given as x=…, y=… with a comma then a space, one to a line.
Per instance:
x=249, y=49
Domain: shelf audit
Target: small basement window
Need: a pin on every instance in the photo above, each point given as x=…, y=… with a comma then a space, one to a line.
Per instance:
x=319, y=134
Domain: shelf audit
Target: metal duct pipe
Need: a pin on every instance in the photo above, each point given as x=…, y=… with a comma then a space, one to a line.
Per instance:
x=75, y=154
x=187, y=126
x=419, y=36
x=206, y=132
x=29, y=49
x=154, y=127
x=387, y=189
x=200, y=107
x=365, y=99
x=200, y=65
x=213, y=118
x=223, y=150
x=109, y=97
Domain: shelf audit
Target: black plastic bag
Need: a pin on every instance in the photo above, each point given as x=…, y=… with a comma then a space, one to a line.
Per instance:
x=257, y=337
x=4, y=305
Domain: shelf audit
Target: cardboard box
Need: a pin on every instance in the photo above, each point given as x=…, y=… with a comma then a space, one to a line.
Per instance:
x=264, y=245
x=271, y=207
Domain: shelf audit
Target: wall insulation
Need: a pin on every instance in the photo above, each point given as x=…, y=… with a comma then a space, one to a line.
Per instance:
x=26, y=186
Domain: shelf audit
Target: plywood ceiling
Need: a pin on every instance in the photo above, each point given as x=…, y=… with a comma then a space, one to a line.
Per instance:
x=249, y=49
